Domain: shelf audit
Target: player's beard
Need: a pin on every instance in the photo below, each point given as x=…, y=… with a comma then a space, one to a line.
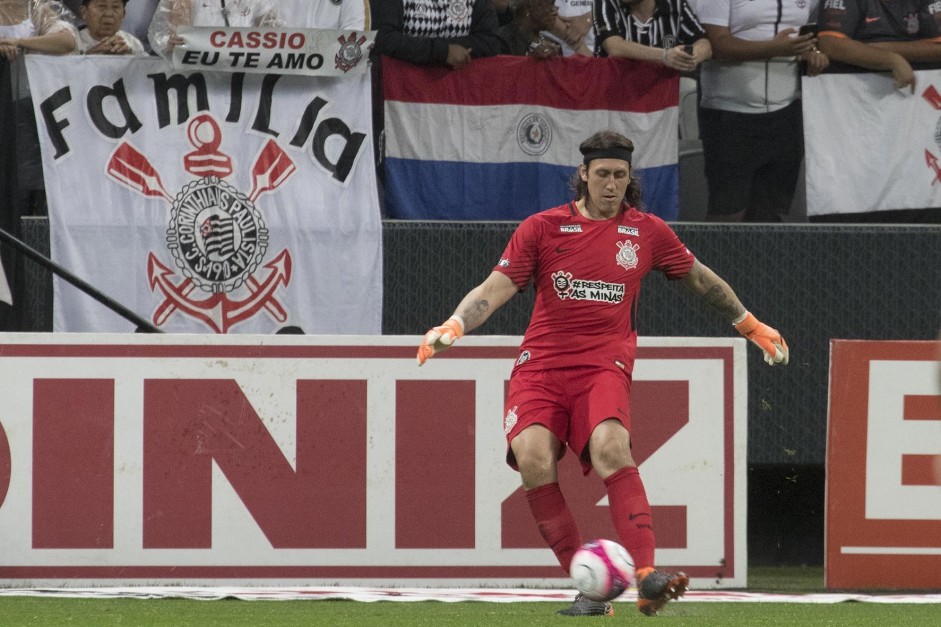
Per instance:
x=603, y=208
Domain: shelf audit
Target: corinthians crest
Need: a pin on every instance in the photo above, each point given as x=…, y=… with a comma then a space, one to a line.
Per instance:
x=350, y=53
x=627, y=255
x=216, y=234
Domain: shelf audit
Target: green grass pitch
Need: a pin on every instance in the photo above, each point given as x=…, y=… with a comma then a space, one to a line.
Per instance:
x=18, y=611
x=45, y=611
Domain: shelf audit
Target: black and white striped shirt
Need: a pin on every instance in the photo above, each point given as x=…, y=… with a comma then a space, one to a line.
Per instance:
x=673, y=23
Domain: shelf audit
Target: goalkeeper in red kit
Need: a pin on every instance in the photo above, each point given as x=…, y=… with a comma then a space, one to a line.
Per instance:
x=572, y=380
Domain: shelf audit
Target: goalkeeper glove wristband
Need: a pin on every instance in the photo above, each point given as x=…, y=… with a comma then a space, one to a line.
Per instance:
x=767, y=339
x=440, y=338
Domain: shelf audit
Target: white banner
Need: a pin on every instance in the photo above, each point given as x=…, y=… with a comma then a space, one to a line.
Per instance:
x=869, y=146
x=313, y=52
x=5, y=295
x=210, y=202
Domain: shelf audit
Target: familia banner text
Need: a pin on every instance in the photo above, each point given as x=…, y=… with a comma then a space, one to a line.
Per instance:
x=210, y=202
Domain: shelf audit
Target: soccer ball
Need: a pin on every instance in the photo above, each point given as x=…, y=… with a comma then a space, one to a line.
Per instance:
x=602, y=570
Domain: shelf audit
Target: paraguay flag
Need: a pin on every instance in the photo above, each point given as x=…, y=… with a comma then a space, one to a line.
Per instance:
x=498, y=139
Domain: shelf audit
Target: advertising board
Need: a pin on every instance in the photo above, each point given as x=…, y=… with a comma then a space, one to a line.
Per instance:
x=333, y=460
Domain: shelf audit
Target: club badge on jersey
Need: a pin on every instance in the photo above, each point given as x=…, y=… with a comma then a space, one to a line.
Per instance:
x=627, y=255
x=511, y=419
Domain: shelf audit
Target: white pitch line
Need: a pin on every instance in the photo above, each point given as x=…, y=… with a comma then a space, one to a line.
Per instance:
x=890, y=550
x=494, y=595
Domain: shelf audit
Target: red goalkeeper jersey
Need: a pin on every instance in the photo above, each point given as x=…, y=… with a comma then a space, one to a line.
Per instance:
x=587, y=276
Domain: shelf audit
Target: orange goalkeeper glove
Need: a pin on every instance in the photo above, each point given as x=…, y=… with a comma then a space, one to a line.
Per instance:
x=440, y=338
x=767, y=339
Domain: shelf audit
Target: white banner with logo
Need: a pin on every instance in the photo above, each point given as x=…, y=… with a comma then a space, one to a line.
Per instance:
x=315, y=52
x=210, y=202
x=869, y=146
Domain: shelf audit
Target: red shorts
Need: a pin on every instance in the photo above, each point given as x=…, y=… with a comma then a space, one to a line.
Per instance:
x=570, y=402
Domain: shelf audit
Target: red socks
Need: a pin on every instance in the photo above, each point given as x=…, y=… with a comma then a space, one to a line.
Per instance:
x=630, y=512
x=555, y=522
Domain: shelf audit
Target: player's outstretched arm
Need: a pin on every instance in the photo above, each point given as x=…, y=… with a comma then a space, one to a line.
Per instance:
x=472, y=312
x=719, y=295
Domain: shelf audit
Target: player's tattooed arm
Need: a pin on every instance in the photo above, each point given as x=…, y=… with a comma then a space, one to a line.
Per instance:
x=485, y=299
x=714, y=291
x=475, y=313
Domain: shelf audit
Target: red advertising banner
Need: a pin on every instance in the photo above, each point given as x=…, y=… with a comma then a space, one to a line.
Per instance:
x=883, y=511
x=333, y=460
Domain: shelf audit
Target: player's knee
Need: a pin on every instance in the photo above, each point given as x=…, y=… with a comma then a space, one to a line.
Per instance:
x=535, y=460
x=537, y=465
x=608, y=455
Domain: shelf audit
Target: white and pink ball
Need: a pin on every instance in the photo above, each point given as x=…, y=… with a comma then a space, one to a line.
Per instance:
x=602, y=570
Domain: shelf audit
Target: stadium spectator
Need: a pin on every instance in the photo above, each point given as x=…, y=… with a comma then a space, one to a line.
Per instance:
x=523, y=35
x=435, y=32
x=102, y=33
x=750, y=119
x=571, y=383
x=573, y=28
x=26, y=27
x=137, y=16
x=897, y=37
x=330, y=14
x=31, y=26
x=650, y=30
x=881, y=36
x=35, y=26
x=171, y=14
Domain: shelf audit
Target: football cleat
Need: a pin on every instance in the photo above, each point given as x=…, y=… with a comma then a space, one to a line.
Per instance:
x=656, y=588
x=583, y=606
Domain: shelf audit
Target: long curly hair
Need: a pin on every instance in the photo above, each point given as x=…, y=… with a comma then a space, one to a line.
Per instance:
x=600, y=141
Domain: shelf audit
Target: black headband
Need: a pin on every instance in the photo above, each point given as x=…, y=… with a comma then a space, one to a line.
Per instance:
x=624, y=154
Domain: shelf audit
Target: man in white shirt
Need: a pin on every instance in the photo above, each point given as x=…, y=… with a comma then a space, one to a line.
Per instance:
x=750, y=115
x=102, y=32
x=329, y=14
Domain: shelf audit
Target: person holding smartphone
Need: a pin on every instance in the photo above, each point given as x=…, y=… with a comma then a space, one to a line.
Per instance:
x=659, y=31
x=750, y=119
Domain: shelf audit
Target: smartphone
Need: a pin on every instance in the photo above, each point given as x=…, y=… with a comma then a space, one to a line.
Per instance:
x=688, y=49
x=808, y=29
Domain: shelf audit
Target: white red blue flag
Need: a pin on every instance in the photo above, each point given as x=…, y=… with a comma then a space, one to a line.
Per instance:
x=498, y=140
